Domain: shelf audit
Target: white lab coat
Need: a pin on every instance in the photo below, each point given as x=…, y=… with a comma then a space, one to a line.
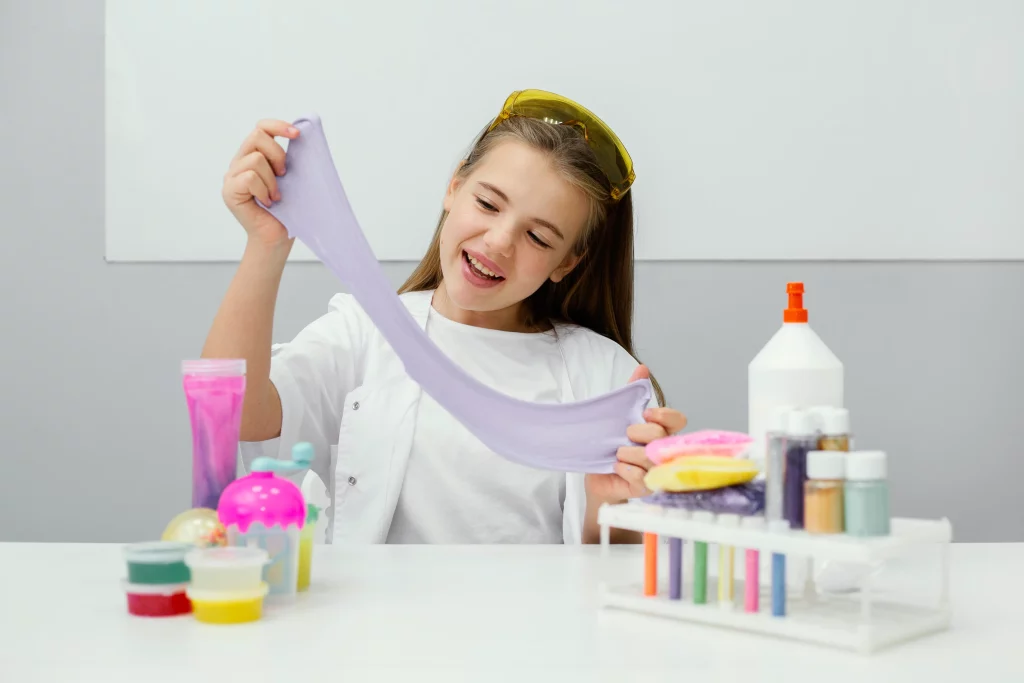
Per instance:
x=344, y=390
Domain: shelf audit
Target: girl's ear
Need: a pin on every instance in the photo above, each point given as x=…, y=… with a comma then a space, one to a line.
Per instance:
x=453, y=186
x=571, y=261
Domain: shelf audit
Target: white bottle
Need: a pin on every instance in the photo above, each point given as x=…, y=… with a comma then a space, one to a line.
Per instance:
x=795, y=368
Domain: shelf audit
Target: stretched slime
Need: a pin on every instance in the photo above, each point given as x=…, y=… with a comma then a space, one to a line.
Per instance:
x=568, y=437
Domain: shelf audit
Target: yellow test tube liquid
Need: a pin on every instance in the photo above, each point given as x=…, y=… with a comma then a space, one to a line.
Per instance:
x=306, y=546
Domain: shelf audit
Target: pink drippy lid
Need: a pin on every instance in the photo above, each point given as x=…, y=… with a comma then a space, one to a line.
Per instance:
x=265, y=497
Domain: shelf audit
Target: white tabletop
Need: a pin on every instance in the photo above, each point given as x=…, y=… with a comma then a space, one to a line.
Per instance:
x=481, y=614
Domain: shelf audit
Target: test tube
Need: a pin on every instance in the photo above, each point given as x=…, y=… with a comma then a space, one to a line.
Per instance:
x=675, y=568
x=775, y=465
x=802, y=437
x=700, y=563
x=700, y=572
x=751, y=581
x=778, y=573
x=650, y=564
x=675, y=558
x=726, y=568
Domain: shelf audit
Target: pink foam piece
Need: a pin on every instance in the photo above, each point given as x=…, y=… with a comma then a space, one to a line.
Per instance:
x=705, y=442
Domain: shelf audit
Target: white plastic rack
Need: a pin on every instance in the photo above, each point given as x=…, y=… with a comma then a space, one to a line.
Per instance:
x=864, y=619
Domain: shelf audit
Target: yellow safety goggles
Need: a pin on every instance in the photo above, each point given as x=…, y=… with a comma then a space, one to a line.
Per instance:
x=611, y=155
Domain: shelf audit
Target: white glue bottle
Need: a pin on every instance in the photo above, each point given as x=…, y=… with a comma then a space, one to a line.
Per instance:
x=795, y=368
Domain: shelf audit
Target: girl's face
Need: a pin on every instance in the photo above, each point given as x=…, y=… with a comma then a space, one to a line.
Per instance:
x=511, y=225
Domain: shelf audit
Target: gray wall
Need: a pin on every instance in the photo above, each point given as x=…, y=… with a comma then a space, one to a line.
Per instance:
x=96, y=437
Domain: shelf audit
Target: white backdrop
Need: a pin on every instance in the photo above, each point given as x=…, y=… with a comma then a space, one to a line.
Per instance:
x=848, y=129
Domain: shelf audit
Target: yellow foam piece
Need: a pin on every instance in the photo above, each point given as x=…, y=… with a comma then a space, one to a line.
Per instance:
x=700, y=473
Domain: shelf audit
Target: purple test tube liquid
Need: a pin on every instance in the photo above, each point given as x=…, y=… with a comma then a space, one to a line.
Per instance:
x=801, y=439
x=214, y=390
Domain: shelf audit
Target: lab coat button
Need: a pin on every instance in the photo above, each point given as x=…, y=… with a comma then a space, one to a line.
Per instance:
x=351, y=481
x=355, y=406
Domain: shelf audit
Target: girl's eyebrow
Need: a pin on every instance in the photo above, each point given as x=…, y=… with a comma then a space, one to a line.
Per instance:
x=539, y=221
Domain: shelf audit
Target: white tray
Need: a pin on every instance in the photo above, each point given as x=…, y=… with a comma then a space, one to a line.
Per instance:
x=865, y=621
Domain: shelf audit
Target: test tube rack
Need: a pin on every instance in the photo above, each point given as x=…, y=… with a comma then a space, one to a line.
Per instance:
x=863, y=621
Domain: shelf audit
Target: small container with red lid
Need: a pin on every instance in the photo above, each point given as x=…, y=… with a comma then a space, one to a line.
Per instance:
x=157, y=600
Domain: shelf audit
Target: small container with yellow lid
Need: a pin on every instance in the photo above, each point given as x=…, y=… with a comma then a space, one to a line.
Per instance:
x=228, y=607
x=227, y=584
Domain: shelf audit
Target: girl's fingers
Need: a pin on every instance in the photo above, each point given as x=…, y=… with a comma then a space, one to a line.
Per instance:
x=635, y=456
x=641, y=372
x=634, y=478
x=645, y=433
x=261, y=139
x=278, y=128
x=250, y=182
x=274, y=152
x=254, y=161
x=670, y=419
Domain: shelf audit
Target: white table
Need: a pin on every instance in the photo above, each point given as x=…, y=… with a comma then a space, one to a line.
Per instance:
x=481, y=614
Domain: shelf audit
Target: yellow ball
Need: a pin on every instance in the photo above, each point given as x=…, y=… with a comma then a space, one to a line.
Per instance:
x=199, y=526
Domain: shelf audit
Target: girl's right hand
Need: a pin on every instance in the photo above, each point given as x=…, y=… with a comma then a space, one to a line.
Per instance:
x=253, y=175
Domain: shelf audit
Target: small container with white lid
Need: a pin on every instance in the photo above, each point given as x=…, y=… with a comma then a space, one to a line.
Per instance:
x=835, y=430
x=866, y=494
x=823, y=492
x=228, y=569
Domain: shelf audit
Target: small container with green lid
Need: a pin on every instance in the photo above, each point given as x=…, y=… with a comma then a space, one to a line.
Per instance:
x=158, y=562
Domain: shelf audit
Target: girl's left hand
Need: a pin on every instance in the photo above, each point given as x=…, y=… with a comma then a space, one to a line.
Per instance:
x=628, y=479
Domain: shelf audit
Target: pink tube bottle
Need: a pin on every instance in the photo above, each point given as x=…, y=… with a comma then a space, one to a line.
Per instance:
x=214, y=390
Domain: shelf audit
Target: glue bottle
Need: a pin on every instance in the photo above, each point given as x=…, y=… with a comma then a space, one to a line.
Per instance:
x=267, y=511
x=795, y=368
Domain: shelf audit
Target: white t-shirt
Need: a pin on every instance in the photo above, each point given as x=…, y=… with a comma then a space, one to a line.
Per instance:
x=456, y=490
x=337, y=376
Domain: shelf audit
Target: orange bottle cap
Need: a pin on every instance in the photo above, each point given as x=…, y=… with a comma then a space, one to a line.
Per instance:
x=796, y=313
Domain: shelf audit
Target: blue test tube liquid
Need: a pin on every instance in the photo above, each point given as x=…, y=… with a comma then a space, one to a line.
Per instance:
x=778, y=585
x=779, y=526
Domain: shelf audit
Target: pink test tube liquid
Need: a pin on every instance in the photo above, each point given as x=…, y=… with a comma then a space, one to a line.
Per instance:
x=214, y=390
x=752, y=588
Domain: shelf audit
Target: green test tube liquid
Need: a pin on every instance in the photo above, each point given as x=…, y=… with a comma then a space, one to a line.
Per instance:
x=700, y=573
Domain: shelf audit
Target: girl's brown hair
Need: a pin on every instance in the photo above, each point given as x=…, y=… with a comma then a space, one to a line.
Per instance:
x=598, y=292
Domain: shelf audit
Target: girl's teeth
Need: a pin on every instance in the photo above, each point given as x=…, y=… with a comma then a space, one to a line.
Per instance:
x=479, y=266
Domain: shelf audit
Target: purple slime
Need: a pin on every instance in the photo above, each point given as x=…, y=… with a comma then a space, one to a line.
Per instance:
x=582, y=436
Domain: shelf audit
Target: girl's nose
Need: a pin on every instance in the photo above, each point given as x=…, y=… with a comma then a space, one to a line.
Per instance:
x=500, y=240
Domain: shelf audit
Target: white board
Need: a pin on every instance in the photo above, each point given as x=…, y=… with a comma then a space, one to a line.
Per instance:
x=848, y=129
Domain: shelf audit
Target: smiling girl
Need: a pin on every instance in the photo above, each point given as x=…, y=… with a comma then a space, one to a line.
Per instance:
x=527, y=284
